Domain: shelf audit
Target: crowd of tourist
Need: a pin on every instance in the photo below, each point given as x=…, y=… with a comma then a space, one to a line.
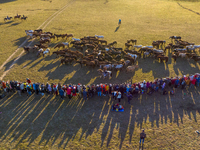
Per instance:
x=117, y=91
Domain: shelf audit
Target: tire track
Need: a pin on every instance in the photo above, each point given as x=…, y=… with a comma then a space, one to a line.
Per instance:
x=188, y=9
x=45, y=23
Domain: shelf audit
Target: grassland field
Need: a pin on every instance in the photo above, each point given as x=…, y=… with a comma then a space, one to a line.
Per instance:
x=49, y=123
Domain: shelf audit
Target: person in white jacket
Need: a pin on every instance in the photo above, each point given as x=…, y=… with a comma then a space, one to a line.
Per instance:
x=119, y=95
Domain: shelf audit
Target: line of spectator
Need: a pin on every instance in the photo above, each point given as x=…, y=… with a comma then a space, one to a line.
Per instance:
x=117, y=91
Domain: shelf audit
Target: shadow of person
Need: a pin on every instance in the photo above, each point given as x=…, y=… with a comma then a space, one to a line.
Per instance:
x=117, y=28
x=140, y=146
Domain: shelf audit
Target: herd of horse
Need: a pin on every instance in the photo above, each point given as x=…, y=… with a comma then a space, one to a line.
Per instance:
x=16, y=17
x=95, y=51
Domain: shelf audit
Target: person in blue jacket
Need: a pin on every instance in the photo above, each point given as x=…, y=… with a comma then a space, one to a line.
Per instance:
x=61, y=92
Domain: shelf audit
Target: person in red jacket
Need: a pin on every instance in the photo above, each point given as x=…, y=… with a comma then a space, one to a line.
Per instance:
x=193, y=83
x=28, y=80
x=74, y=91
x=69, y=90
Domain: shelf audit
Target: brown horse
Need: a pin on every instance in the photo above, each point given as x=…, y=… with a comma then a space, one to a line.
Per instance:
x=41, y=45
x=133, y=41
x=24, y=18
x=196, y=58
x=103, y=41
x=17, y=17
x=156, y=44
x=38, y=30
x=59, y=53
x=69, y=35
x=45, y=41
x=58, y=35
x=60, y=45
x=163, y=58
x=128, y=45
x=131, y=68
x=79, y=47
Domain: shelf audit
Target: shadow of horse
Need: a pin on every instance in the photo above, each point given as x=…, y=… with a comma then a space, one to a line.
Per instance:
x=117, y=28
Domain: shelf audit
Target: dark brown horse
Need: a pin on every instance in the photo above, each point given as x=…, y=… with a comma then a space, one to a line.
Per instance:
x=17, y=17
x=41, y=45
x=196, y=58
x=45, y=41
x=24, y=18
x=69, y=35
x=79, y=47
x=60, y=45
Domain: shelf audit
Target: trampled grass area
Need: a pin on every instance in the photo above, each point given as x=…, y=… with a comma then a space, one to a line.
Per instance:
x=143, y=20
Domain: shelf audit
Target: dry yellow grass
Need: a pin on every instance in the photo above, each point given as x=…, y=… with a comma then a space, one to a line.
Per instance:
x=49, y=123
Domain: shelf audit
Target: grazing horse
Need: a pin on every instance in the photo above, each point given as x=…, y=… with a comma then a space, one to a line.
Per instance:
x=58, y=35
x=133, y=41
x=39, y=52
x=105, y=74
x=47, y=51
x=99, y=36
x=59, y=53
x=131, y=68
x=163, y=58
x=60, y=45
x=7, y=18
x=156, y=44
x=70, y=35
x=167, y=47
x=38, y=30
x=79, y=47
x=75, y=39
x=41, y=46
x=103, y=41
x=44, y=41
x=196, y=58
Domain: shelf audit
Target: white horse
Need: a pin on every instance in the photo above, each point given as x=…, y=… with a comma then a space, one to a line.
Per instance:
x=47, y=51
x=75, y=39
x=29, y=33
x=196, y=46
x=65, y=43
x=147, y=47
x=191, y=48
x=133, y=55
x=39, y=52
x=137, y=46
x=108, y=66
x=118, y=67
x=146, y=53
x=107, y=49
x=99, y=36
x=107, y=73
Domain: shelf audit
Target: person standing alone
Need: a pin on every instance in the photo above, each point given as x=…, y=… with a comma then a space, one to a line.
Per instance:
x=142, y=136
x=119, y=23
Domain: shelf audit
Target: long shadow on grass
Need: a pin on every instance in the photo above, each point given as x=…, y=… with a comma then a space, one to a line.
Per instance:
x=6, y=1
x=48, y=120
x=151, y=64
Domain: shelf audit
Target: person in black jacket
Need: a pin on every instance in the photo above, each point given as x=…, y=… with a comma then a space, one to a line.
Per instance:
x=142, y=136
